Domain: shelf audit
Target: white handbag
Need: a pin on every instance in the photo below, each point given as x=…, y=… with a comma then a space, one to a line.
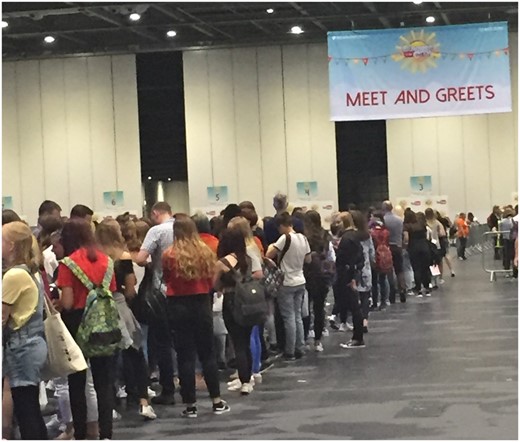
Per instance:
x=64, y=356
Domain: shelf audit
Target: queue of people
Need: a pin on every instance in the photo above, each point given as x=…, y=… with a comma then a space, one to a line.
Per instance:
x=190, y=297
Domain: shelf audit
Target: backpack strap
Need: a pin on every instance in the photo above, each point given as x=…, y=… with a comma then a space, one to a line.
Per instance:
x=107, y=279
x=78, y=273
x=285, y=248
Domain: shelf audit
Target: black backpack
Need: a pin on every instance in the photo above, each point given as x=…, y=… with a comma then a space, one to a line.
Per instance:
x=149, y=305
x=249, y=304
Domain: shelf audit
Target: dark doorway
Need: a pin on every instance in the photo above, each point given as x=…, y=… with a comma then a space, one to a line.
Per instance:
x=362, y=163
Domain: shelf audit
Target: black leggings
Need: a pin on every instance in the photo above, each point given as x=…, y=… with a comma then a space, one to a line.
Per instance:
x=135, y=372
x=421, y=260
x=27, y=412
x=317, y=296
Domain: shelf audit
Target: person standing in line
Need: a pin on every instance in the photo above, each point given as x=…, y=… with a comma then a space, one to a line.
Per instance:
x=380, y=237
x=46, y=208
x=158, y=239
x=445, y=243
x=394, y=224
x=462, y=235
x=437, y=232
x=365, y=282
x=506, y=226
x=24, y=349
x=419, y=250
x=492, y=222
x=316, y=281
x=233, y=261
x=350, y=261
x=80, y=246
x=271, y=230
x=111, y=241
x=188, y=267
x=290, y=297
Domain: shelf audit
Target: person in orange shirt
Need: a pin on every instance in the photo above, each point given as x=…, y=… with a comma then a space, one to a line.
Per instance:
x=204, y=229
x=462, y=234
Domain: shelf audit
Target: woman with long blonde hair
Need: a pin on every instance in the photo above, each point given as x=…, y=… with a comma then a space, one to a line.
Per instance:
x=25, y=350
x=188, y=267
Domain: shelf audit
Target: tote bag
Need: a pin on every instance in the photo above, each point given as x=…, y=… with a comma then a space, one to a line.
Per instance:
x=64, y=356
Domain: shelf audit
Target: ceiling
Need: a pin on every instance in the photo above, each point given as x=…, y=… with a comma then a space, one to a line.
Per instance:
x=100, y=28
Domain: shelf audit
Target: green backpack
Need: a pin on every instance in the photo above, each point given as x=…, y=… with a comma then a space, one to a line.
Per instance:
x=99, y=333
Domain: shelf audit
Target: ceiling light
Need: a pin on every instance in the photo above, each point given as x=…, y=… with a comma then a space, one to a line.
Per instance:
x=49, y=39
x=417, y=2
x=269, y=11
x=149, y=178
x=171, y=34
x=296, y=30
x=135, y=16
x=430, y=19
x=169, y=179
x=4, y=24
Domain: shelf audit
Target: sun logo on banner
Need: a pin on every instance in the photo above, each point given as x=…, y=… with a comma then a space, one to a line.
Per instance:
x=417, y=51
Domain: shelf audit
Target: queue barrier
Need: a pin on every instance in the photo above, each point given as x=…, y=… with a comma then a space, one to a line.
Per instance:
x=488, y=244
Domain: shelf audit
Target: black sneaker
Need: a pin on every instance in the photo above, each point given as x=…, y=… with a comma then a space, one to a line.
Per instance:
x=289, y=358
x=221, y=408
x=365, y=329
x=353, y=344
x=190, y=412
x=333, y=325
x=266, y=365
x=164, y=399
x=402, y=297
x=298, y=354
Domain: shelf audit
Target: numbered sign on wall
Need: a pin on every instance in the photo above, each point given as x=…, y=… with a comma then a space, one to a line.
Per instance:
x=217, y=195
x=113, y=200
x=307, y=190
x=7, y=202
x=421, y=185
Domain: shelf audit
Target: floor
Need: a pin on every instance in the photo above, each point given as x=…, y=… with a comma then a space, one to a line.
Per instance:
x=434, y=368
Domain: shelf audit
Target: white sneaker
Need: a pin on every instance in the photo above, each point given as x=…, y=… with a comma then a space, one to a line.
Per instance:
x=151, y=393
x=233, y=376
x=350, y=327
x=54, y=423
x=342, y=327
x=246, y=389
x=116, y=416
x=318, y=347
x=121, y=392
x=311, y=333
x=147, y=412
x=325, y=332
x=50, y=386
x=256, y=378
x=235, y=385
x=420, y=295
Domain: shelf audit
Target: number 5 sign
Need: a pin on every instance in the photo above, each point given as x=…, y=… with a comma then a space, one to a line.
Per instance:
x=421, y=184
x=217, y=195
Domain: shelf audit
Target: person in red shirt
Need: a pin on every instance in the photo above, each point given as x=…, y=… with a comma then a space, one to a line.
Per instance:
x=462, y=235
x=79, y=245
x=187, y=272
x=204, y=228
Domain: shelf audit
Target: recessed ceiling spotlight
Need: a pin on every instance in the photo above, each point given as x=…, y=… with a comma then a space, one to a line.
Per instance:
x=169, y=179
x=430, y=19
x=296, y=30
x=134, y=16
x=171, y=34
x=4, y=24
x=269, y=11
x=149, y=178
x=49, y=39
x=417, y=2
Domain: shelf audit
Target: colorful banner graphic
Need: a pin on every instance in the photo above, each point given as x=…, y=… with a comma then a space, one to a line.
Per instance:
x=421, y=185
x=307, y=190
x=419, y=72
x=421, y=203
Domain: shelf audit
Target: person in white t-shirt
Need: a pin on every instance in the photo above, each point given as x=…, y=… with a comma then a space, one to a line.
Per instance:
x=290, y=298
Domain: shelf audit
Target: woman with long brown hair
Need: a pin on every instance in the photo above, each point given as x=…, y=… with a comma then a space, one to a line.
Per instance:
x=111, y=241
x=188, y=267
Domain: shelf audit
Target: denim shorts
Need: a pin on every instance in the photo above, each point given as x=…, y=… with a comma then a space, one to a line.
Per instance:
x=24, y=358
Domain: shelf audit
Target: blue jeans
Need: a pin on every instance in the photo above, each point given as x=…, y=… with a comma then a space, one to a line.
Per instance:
x=256, y=349
x=290, y=300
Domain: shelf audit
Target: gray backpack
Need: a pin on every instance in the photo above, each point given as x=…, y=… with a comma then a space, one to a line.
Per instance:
x=249, y=304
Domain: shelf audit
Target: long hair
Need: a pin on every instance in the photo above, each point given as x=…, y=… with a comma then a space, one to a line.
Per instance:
x=361, y=223
x=313, y=231
x=25, y=247
x=77, y=234
x=346, y=221
x=193, y=259
x=232, y=241
x=110, y=239
x=242, y=224
x=129, y=232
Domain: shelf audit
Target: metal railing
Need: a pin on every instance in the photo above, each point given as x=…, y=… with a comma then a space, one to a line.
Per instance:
x=490, y=241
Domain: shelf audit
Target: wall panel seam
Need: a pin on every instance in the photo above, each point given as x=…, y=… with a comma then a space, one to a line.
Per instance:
x=114, y=130
x=231, y=53
x=66, y=129
x=17, y=103
x=465, y=163
x=210, y=122
x=309, y=112
x=260, y=128
x=89, y=110
x=438, y=177
x=489, y=160
x=41, y=128
x=284, y=124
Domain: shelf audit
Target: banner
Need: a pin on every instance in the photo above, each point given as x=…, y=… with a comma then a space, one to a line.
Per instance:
x=421, y=185
x=419, y=72
x=421, y=203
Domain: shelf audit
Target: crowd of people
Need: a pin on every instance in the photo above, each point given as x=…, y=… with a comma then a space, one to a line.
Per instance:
x=193, y=296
